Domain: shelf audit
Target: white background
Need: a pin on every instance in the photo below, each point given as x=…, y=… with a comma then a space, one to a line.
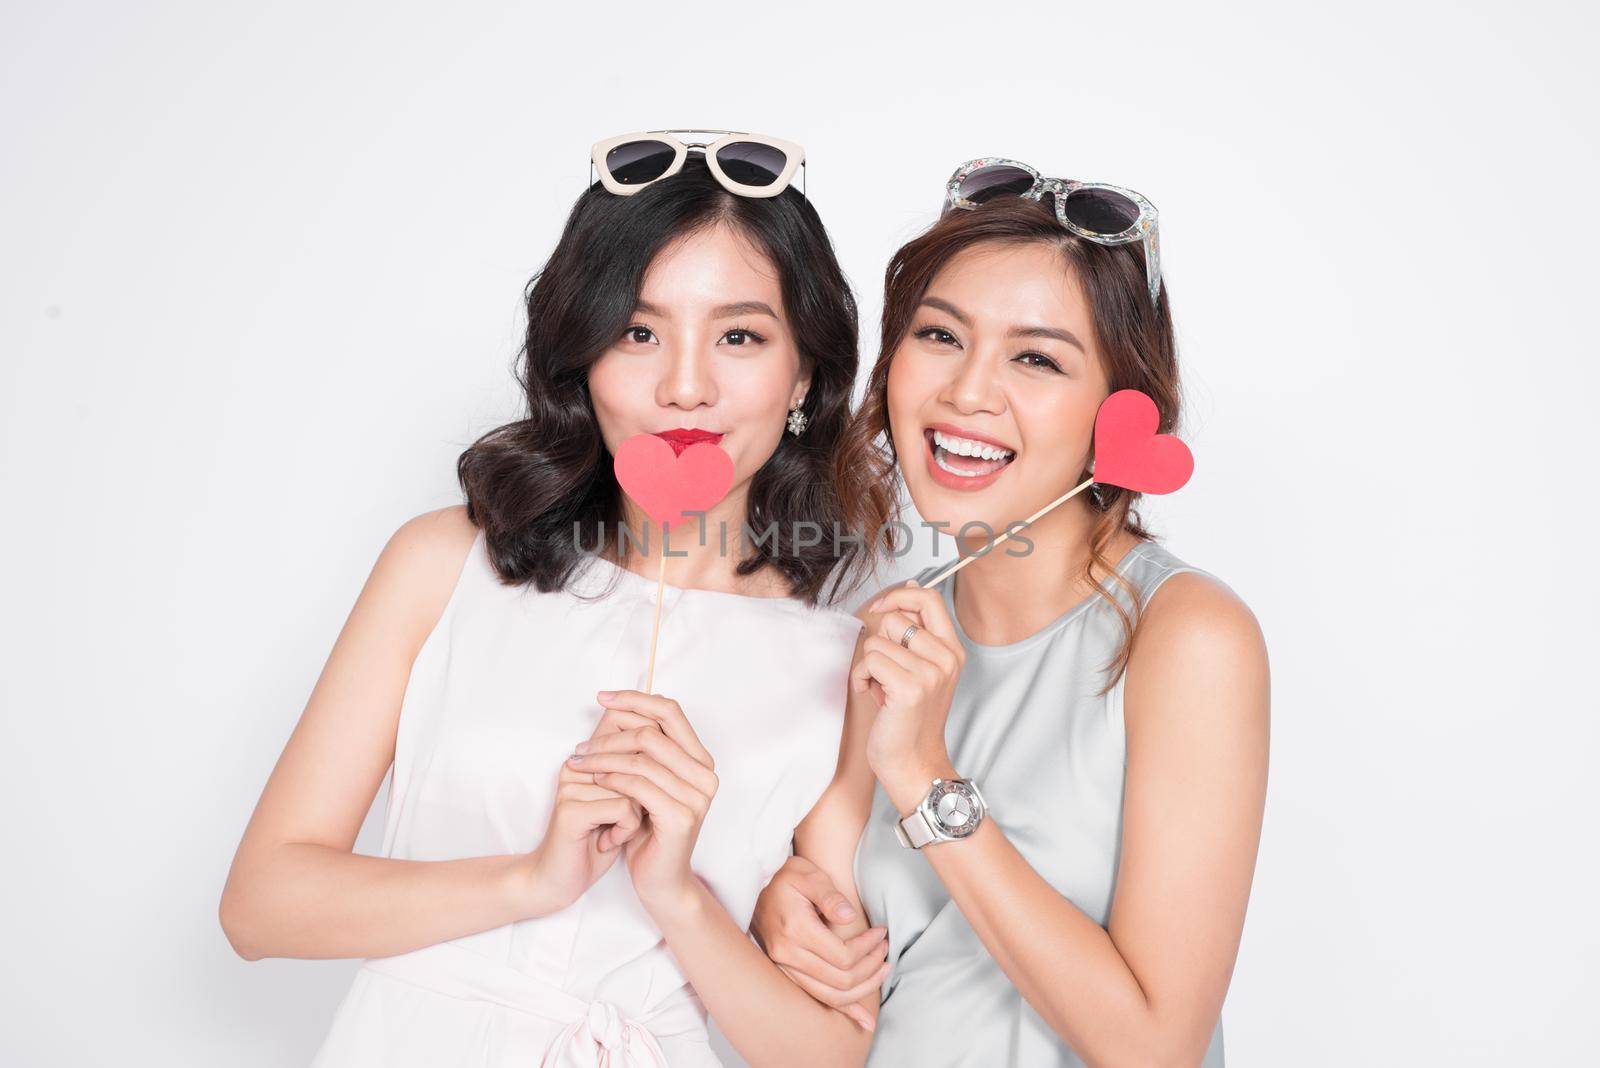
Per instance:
x=262, y=267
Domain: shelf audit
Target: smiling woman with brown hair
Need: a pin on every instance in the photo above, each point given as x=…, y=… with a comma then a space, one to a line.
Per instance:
x=1085, y=905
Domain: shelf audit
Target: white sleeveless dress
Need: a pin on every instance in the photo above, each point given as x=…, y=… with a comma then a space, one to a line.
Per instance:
x=500, y=692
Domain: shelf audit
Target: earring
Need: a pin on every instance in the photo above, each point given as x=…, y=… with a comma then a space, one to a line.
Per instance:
x=797, y=418
x=1094, y=490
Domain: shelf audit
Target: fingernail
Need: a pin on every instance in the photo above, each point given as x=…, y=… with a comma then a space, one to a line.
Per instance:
x=606, y=695
x=574, y=758
x=843, y=910
x=581, y=747
x=911, y=582
x=873, y=607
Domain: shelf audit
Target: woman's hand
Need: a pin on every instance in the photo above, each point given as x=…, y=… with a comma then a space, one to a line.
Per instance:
x=576, y=849
x=791, y=924
x=906, y=747
x=665, y=769
x=613, y=719
x=587, y=825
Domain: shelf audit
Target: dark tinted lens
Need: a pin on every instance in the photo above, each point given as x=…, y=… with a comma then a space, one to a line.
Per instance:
x=1101, y=211
x=1000, y=180
x=749, y=163
x=637, y=162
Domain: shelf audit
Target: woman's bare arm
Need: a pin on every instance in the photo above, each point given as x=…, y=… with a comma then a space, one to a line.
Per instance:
x=827, y=838
x=295, y=888
x=1147, y=987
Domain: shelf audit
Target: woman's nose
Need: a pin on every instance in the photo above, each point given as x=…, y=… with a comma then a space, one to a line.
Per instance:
x=974, y=384
x=687, y=378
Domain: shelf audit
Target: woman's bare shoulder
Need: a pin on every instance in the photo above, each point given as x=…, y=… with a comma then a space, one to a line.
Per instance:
x=1198, y=606
x=1197, y=636
x=419, y=566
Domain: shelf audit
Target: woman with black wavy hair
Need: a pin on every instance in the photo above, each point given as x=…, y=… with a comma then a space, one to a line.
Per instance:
x=498, y=925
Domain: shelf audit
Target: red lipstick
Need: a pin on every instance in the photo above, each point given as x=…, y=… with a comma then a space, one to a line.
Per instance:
x=683, y=437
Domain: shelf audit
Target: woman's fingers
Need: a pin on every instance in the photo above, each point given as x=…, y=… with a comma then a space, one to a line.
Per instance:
x=928, y=605
x=620, y=719
x=604, y=765
x=666, y=812
x=838, y=959
x=814, y=885
x=600, y=765
x=577, y=818
x=924, y=643
x=843, y=1000
x=837, y=978
x=581, y=788
x=656, y=745
x=892, y=667
x=870, y=939
x=665, y=711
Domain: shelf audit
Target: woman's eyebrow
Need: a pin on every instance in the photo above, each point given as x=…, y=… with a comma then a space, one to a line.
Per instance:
x=1049, y=331
x=743, y=307
x=948, y=308
x=721, y=311
x=1020, y=331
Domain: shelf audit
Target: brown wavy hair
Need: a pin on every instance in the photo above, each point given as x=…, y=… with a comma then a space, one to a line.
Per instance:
x=533, y=482
x=1134, y=338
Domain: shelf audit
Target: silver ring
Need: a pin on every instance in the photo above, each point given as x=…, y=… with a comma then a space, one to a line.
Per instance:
x=905, y=639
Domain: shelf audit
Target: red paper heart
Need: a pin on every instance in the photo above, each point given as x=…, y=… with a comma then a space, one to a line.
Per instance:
x=667, y=485
x=1129, y=453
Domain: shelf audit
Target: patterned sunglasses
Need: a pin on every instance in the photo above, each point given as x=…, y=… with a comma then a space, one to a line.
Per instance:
x=1096, y=211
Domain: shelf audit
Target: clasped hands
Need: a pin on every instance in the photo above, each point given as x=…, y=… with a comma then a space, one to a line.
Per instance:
x=643, y=783
x=639, y=787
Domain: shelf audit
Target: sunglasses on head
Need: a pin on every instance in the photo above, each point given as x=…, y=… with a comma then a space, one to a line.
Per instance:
x=751, y=165
x=1096, y=211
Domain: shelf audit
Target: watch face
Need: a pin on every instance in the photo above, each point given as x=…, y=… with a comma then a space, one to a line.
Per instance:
x=954, y=808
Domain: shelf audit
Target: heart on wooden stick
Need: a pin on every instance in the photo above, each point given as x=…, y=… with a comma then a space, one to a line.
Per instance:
x=666, y=484
x=1129, y=453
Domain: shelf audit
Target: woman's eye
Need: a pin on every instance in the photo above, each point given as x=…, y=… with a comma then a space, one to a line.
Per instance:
x=937, y=334
x=641, y=335
x=742, y=337
x=1043, y=361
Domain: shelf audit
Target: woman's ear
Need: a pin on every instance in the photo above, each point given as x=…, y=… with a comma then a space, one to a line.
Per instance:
x=801, y=388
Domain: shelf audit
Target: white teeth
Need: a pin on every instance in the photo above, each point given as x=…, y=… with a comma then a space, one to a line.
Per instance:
x=967, y=447
x=940, y=460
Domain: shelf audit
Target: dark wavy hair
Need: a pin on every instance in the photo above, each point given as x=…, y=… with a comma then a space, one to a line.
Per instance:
x=527, y=483
x=1134, y=337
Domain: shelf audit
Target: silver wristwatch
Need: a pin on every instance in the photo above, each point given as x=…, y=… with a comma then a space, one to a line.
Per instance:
x=952, y=809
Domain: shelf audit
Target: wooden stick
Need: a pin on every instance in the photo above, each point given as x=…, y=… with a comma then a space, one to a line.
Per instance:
x=655, y=629
x=965, y=560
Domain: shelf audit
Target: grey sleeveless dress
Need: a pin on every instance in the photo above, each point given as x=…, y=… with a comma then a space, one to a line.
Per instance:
x=1051, y=758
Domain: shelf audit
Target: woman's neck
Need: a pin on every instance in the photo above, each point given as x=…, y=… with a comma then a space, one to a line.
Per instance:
x=689, y=563
x=1003, y=598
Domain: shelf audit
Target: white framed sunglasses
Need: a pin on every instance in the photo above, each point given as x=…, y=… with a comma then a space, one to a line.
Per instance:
x=1096, y=211
x=751, y=165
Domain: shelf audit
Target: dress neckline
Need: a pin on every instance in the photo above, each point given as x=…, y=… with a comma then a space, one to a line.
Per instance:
x=1043, y=632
